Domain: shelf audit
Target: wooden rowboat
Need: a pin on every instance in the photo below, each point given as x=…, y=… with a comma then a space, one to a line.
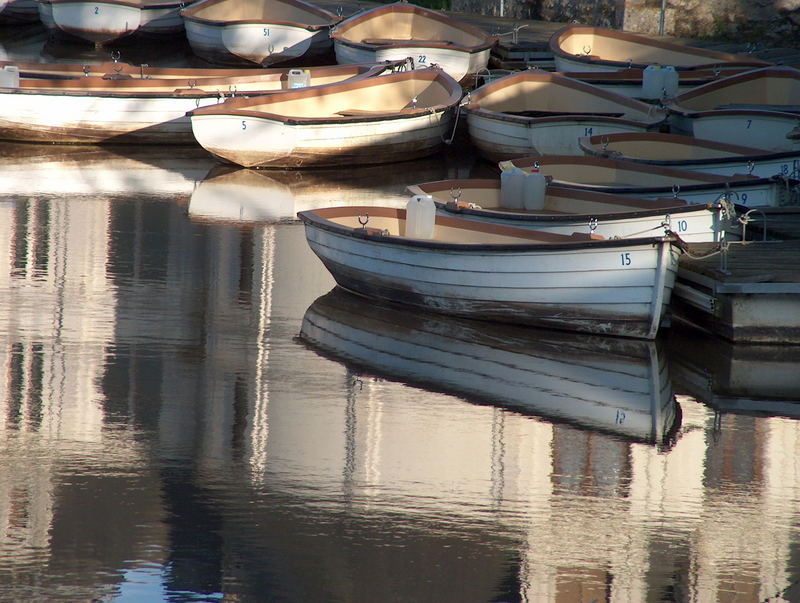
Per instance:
x=585, y=48
x=758, y=108
x=614, y=385
x=539, y=113
x=690, y=153
x=262, y=32
x=109, y=20
x=567, y=210
x=389, y=118
x=639, y=180
x=137, y=111
x=494, y=272
x=400, y=30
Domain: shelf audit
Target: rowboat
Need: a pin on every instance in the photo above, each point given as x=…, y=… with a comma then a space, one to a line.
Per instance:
x=614, y=385
x=539, y=113
x=567, y=210
x=759, y=108
x=690, y=153
x=400, y=30
x=133, y=110
x=263, y=32
x=109, y=20
x=585, y=48
x=619, y=177
x=394, y=117
x=493, y=272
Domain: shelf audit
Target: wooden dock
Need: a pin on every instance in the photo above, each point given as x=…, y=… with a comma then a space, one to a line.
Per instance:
x=745, y=292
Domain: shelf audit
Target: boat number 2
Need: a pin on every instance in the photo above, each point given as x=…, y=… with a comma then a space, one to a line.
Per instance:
x=96, y=10
x=625, y=258
x=422, y=59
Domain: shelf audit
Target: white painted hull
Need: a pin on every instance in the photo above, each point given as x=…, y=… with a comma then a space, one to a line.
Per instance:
x=103, y=22
x=456, y=63
x=259, y=141
x=219, y=43
x=497, y=138
x=538, y=113
x=614, y=385
x=96, y=119
x=762, y=129
x=568, y=211
x=619, y=287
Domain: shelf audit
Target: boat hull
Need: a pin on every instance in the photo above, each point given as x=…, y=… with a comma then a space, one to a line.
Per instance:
x=103, y=22
x=768, y=130
x=254, y=141
x=459, y=64
x=567, y=211
x=621, y=288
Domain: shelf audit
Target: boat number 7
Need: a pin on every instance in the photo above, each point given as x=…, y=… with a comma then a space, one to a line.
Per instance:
x=625, y=258
x=749, y=122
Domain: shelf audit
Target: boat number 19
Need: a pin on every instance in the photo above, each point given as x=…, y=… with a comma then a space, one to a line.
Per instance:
x=625, y=257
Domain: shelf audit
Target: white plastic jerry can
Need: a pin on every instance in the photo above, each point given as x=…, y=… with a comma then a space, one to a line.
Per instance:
x=420, y=217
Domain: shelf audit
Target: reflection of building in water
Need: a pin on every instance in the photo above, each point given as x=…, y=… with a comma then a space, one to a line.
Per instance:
x=57, y=319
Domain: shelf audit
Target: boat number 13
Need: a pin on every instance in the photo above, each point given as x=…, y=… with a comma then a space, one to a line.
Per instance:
x=625, y=257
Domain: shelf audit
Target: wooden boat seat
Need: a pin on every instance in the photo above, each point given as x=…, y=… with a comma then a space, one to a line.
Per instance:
x=754, y=107
x=390, y=41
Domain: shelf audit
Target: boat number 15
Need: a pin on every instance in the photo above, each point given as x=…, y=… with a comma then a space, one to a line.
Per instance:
x=625, y=258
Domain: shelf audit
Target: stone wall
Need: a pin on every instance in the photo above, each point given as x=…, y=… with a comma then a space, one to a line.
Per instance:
x=765, y=23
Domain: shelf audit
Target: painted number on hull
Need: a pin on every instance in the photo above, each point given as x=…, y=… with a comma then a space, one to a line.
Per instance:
x=620, y=419
x=266, y=32
x=683, y=226
x=96, y=10
x=587, y=131
x=749, y=122
x=244, y=125
x=422, y=59
x=625, y=258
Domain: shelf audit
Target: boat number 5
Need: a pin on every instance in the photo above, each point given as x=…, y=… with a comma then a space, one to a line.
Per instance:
x=625, y=258
x=244, y=125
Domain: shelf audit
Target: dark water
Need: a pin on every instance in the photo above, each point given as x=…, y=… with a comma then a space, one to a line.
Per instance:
x=189, y=411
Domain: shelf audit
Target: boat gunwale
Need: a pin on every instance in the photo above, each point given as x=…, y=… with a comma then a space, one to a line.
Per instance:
x=591, y=147
x=676, y=206
x=189, y=13
x=519, y=78
x=621, y=164
x=722, y=58
x=318, y=218
x=238, y=106
x=138, y=4
x=751, y=75
x=378, y=12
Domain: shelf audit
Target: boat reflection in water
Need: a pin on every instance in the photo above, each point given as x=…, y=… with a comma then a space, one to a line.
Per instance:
x=730, y=377
x=615, y=385
x=67, y=170
x=233, y=194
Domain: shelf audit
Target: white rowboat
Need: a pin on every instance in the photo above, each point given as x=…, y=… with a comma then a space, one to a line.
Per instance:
x=262, y=32
x=586, y=48
x=400, y=30
x=567, y=210
x=495, y=272
x=690, y=153
x=389, y=118
x=539, y=113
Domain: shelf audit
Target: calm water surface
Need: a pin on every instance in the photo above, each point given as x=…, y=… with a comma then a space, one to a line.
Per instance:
x=189, y=411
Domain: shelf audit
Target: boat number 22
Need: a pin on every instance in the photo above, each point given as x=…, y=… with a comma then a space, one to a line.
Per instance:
x=422, y=59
